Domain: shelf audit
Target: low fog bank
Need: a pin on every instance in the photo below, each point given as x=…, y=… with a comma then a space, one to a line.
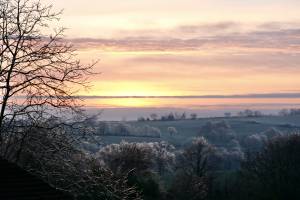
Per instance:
x=129, y=114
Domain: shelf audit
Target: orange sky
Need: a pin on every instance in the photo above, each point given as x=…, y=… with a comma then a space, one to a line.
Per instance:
x=186, y=47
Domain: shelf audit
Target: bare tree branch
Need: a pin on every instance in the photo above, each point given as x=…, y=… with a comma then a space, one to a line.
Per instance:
x=39, y=73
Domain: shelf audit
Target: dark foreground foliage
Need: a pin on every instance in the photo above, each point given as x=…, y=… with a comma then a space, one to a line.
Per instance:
x=156, y=171
x=273, y=173
x=270, y=174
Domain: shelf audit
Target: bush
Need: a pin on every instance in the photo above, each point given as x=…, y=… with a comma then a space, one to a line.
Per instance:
x=273, y=173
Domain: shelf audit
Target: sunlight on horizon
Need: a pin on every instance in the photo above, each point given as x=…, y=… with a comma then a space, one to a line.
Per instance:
x=185, y=47
x=192, y=103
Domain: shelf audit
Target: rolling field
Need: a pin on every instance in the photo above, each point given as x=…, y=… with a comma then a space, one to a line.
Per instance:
x=187, y=129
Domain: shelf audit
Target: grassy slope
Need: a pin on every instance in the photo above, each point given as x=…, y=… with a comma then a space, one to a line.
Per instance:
x=189, y=128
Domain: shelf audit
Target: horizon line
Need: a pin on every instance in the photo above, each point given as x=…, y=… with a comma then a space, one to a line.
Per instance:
x=258, y=95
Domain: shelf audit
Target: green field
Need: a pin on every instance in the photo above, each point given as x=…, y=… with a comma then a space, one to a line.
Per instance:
x=187, y=129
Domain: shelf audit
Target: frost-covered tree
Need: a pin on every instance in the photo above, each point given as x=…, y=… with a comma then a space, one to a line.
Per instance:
x=154, y=156
x=229, y=158
x=172, y=131
x=194, y=159
x=272, y=132
x=255, y=142
x=218, y=132
x=163, y=156
x=141, y=161
x=125, y=129
x=54, y=156
x=191, y=181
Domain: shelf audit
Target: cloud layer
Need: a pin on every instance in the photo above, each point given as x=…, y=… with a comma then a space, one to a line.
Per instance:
x=272, y=37
x=216, y=58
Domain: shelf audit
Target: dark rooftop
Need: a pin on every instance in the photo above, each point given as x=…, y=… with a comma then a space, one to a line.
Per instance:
x=17, y=184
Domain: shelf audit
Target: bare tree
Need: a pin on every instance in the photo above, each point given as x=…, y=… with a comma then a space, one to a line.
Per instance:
x=194, y=159
x=37, y=71
x=194, y=116
x=192, y=177
x=39, y=75
x=154, y=116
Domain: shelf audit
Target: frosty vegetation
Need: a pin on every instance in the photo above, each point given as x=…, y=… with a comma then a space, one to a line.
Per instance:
x=125, y=129
x=208, y=167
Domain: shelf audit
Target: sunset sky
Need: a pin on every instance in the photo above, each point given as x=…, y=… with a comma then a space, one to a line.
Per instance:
x=186, y=47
